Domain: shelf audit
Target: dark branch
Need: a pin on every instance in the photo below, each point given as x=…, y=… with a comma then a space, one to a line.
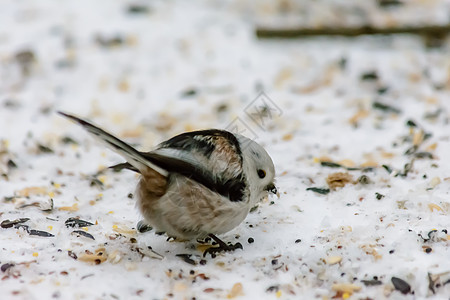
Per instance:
x=290, y=33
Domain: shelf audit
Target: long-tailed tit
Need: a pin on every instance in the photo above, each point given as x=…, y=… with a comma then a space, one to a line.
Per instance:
x=196, y=184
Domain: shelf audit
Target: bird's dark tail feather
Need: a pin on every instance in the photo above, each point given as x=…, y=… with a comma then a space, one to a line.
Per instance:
x=133, y=156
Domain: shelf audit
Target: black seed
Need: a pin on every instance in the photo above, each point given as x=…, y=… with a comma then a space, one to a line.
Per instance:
x=130, y=195
x=273, y=288
x=9, y=224
x=401, y=285
x=385, y=107
x=379, y=196
x=428, y=250
x=83, y=233
x=72, y=222
x=424, y=155
x=202, y=262
x=368, y=169
x=391, y=251
x=298, y=241
x=11, y=164
x=40, y=233
x=192, y=272
x=8, y=198
x=319, y=190
x=96, y=182
x=387, y=168
x=274, y=261
x=372, y=75
x=44, y=149
x=68, y=140
x=222, y=108
x=138, y=9
x=6, y=267
x=406, y=169
x=389, y=3
x=330, y=164
x=382, y=90
x=189, y=93
x=411, y=123
x=133, y=241
x=109, y=42
x=187, y=258
x=411, y=150
x=250, y=240
x=371, y=282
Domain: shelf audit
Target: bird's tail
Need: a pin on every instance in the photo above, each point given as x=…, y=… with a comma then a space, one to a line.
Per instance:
x=132, y=156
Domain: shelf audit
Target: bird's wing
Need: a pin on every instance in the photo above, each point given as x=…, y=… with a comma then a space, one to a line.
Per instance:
x=210, y=157
x=231, y=187
x=213, y=149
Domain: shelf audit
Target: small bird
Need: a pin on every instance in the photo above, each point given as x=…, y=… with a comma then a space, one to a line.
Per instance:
x=196, y=184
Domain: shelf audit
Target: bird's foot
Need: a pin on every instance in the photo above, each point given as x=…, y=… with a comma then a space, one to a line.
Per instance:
x=222, y=246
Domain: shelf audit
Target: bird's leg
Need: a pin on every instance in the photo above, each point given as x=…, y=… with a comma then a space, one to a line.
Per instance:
x=222, y=246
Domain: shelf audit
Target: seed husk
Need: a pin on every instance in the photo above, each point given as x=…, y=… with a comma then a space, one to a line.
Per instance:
x=72, y=222
x=143, y=227
x=385, y=107
x=330, y=164
x=9, y=224
x=40, y=233
x=44, y=149
x=72, y=254
x=83, y=233
x=322, y=191
x=68, y=140
x=372, y=282
x=6, y=266
x=187, y=258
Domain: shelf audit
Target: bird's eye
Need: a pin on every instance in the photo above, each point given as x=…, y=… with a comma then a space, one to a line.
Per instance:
x=261, y=173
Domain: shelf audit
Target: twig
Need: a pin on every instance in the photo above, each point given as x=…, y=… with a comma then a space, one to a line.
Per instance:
x=290, y=33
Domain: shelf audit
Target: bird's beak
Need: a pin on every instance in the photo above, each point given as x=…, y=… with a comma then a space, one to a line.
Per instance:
x=272, y=189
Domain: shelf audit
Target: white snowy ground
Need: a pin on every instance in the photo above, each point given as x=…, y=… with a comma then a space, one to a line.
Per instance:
x=180, y=66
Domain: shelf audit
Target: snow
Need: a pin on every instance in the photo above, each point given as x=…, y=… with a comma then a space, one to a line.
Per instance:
x=137, y=87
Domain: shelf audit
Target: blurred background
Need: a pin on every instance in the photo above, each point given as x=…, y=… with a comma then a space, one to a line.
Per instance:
x=175, y=66
x=360, y=88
